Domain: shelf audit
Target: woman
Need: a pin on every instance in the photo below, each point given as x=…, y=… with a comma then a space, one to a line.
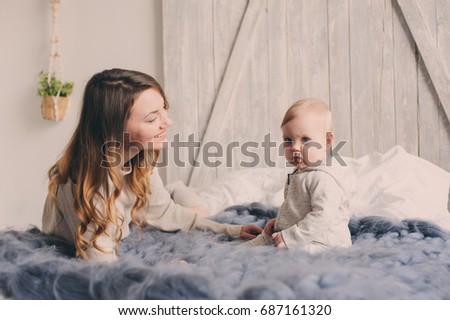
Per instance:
x=106, y=178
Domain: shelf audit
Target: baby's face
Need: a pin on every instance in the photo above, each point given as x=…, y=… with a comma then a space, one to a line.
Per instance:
x=305, y=140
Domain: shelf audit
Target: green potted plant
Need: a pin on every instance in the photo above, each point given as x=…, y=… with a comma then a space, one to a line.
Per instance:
x=54, y=95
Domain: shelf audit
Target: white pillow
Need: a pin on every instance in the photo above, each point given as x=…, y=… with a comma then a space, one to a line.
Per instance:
x=263, y=185
x=401, y=186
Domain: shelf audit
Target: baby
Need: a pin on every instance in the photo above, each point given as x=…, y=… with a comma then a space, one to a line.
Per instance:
x=315, y=213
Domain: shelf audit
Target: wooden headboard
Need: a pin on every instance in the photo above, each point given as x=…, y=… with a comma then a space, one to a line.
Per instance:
x=232, y=68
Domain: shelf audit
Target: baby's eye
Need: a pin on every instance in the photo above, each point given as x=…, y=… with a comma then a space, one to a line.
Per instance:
x=287, y=142
x=305, y=139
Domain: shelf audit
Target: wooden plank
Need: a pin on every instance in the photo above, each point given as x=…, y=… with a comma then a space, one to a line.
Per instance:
x=253, y=130
x=250, y=119
x=278, y=94
x=428, y=115
x=433, y=58
x=307, y=39
x=297, y=78
x=227, y=20
x=205, y=69
x=363, y=135
x=204, y=73
x=443, y=41
x=339, y=56
x=383, y=75
x=186, y=123
x=315, y=62
x=181, y=32
x=222, y=108
x=405, y=75
x=172, y=33
x=241, y=126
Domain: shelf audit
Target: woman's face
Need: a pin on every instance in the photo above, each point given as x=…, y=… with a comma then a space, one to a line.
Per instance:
x=147, y=123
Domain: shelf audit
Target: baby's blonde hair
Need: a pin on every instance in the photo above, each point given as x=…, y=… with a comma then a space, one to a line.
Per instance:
x=310, y=104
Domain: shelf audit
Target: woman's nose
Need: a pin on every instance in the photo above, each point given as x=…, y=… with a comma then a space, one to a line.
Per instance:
x=166, y=121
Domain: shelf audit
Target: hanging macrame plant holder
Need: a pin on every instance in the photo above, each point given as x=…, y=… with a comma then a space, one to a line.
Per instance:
x=54, y=107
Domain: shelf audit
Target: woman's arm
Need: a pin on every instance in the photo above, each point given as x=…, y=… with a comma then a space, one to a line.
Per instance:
x=186, y=197
x=163, y=213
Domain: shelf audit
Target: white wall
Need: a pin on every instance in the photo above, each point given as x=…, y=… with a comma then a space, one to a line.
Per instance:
x=95, y=35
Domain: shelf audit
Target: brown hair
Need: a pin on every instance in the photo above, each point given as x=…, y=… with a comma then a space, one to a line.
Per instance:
x=108, y=98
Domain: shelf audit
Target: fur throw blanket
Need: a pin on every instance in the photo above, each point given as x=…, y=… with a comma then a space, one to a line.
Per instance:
x=388, y=260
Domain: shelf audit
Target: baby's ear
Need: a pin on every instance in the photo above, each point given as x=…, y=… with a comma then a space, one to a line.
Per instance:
x=330, y=137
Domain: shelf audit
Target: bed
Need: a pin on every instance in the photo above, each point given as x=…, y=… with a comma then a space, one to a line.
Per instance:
x=400, y=231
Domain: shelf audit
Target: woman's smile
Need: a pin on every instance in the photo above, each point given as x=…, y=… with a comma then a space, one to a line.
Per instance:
x=162, y=135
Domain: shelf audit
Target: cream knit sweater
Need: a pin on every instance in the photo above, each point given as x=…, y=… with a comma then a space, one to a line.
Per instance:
x=162, y=213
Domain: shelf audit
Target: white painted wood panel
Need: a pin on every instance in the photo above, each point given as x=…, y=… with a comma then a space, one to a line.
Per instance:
x=295, y=50
x=405, y=81
x=357, y=55
x=278, y=101
x=361, y=77
x=427, y=98
x=307, y=45
x=339, y=57
x=257, y=124
x=316, y=62
x=383, y=75
x=172, y=34
x=220, y=111
x=432, y=56
x=227, y=20
x=443, y=43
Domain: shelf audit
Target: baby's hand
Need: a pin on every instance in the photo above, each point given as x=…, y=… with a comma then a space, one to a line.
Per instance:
x=268, y=229
x=250, y=231
x=278, y=240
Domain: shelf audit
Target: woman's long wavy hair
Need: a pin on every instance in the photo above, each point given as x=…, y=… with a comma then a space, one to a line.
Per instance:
x=108, y=98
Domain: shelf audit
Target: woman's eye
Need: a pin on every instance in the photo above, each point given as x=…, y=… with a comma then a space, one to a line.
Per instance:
x=305, y=139
x=152, y=120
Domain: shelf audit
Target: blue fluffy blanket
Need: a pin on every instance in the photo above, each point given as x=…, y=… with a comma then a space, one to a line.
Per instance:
x=388, y=260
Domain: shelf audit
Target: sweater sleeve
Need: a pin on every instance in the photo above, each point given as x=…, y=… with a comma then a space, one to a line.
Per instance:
x=105, y=242
x=162, y=213
x=63, y=222
x=324, y=217
x=262, y=239
x=183, y=195
x=107, y=245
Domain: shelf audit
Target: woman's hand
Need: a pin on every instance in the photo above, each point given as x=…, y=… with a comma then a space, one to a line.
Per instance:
x=250, y=231
x=278, y=240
